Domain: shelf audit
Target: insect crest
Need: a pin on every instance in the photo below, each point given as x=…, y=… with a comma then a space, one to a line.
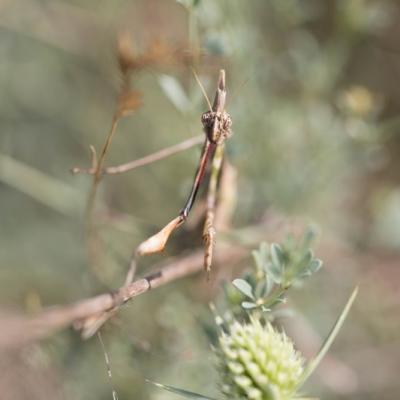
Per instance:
x=217, y=126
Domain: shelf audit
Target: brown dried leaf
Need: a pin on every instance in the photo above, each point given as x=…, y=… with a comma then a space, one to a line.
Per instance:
x=159, y=52
x=157, y=242
x=126, y=53
x=128, y=102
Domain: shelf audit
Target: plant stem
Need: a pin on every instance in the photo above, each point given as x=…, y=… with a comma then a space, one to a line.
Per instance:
x=91, y=236
x=149, y=159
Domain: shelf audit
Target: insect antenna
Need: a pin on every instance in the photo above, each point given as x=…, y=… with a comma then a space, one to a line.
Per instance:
x=233, y=95
x=202, y=88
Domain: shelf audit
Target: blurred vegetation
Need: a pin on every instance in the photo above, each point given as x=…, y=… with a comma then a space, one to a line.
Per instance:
x=315, y=109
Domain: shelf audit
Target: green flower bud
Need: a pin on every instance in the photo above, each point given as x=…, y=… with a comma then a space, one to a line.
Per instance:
x=259, y=363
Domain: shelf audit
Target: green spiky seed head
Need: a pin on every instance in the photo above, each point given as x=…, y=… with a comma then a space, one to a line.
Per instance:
x=259, y=363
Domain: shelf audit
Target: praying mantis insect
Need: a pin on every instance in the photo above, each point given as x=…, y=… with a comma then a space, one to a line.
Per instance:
x=217, y=128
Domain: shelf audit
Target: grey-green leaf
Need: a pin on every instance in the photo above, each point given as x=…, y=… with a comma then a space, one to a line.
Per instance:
x=269, y=282
x=244, y=287
x=305, y=261
x=182, y=392
x=274, y=271
x=248, y=305
x=277, y=255
x=309, y=237
x=260, y=255
x=315, y=265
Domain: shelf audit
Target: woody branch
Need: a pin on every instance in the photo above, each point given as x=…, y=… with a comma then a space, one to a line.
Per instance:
x=19, y=330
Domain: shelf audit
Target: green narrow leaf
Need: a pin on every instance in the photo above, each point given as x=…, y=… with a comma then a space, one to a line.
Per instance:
x=175, y=92
x=244, y=287
x=49, y=191
x=257, y=259
x=269, y=282
x=290, y=243
x=181, y=392
x=277, y=255
x=248, y=305
x=260, y=256
x=309, y=237
x=313, y=364
x=259, y=290
x=274, y=272
x=315, y=265
x=305, y=261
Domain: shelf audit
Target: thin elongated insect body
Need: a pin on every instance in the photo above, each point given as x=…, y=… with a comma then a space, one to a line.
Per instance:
x=208, y=149
x=217, y=128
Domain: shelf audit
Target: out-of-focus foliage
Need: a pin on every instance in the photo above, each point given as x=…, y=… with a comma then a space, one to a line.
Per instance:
x=314, y=100
x=254, y=360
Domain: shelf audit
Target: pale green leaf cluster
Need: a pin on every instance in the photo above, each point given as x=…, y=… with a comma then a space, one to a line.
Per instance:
x=277, y=267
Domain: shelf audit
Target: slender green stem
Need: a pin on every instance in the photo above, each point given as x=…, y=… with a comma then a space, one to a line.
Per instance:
x=331, y=337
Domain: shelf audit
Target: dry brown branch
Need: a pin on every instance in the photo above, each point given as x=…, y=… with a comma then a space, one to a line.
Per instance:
x=149, y=159
x=17, y=330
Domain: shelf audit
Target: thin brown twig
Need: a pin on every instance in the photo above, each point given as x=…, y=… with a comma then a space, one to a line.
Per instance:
x=91, y=234
x=19, y=330
x=149, y=159
x=99, y=165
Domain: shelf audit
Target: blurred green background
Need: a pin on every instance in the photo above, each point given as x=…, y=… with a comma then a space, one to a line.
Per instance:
x=314, y=98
